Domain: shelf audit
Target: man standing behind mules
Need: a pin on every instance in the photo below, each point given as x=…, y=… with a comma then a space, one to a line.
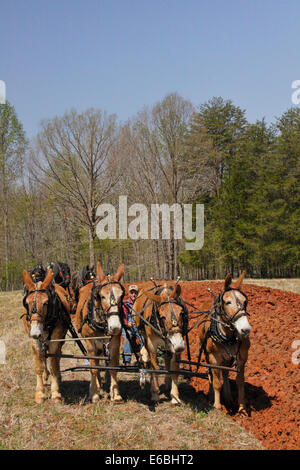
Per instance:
x=132, y=330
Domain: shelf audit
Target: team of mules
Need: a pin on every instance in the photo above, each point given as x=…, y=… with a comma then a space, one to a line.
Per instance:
x=160, y=314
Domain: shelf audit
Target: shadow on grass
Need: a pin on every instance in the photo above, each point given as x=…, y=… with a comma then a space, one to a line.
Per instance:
x=130, y=390
x=198, y=401
x=74, y=391
x=77, y=391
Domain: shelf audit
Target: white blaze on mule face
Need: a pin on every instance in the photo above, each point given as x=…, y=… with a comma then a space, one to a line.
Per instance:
x=113, y=323
x=177, y=342
x=243, y=326
x=36, y=330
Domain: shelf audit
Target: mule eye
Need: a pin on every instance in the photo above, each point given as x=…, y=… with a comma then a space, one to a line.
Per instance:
x=228, y=303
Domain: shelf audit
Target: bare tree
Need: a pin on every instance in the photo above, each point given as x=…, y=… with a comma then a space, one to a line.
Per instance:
x=156, y=142
x=78, y=159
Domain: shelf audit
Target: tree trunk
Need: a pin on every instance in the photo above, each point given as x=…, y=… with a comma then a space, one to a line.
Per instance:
x=91, y=245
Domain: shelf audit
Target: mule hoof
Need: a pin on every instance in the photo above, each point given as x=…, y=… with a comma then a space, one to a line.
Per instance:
x=242, y=411
x=117, y=400
x=56, y=397
x=176, y=402
x=218, y=407
x=95, y=398
x=39, y=400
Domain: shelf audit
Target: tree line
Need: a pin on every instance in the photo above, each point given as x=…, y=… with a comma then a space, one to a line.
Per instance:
x=245, y=174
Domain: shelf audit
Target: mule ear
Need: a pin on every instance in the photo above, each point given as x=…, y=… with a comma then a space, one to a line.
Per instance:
x=177, y=291
x=120, y=272
x=156, y=298
x=228, y=280
x=100, y=274
x=28, y=281
x=239, y=282
x=48, y=279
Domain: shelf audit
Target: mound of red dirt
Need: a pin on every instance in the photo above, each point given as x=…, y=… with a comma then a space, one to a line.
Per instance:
x=272, y=381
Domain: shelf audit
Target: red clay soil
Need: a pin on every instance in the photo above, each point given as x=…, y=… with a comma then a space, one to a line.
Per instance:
x=272, y=381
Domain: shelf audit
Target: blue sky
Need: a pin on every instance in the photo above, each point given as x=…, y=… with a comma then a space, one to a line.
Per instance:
x=120, y=55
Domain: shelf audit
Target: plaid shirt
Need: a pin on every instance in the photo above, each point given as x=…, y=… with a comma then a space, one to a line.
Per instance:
x=127, y=309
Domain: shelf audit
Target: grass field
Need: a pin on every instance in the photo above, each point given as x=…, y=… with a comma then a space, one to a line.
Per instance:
x=78, y=424
x=290, y=285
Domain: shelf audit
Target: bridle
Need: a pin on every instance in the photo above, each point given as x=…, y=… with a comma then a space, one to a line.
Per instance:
x=175, y=326
x=218, y=314
x=103, y=314
x=242, y=307
x=34, y=315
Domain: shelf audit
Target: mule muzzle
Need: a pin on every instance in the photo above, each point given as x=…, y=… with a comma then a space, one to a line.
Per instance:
x=114, y=326
x=176, y=342
x=243, y=327
x=36, y=330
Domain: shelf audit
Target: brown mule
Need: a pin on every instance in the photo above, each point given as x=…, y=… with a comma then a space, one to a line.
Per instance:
x=98, y=313
x=224, y=336
x=167, y=313
x=42, y=320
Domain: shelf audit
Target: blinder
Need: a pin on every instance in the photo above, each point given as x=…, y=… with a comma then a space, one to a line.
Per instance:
x=174, y=320
x=34, y=311
x=102, y=313
x=242, y=307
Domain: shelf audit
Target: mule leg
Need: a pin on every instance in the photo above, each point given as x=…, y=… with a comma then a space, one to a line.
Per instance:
x=154, y=379
x=152, y=349
x=39, y=366
x=174, y=389
x=54, y=365
x=114, y=349
x=144, y=356
x=216, y=382
x=240, y=378
x=240, y=381
x=94, y=392
x=46, y=373
x=226, y=388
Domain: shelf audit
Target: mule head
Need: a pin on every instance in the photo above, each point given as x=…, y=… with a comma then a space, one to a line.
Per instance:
x=171, y=313
x=234, y=304
x=110, y=295
x=36, y=302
